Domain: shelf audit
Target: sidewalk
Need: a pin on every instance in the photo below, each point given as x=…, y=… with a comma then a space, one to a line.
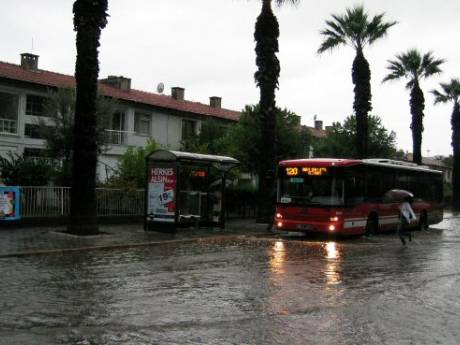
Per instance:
x=40, y=240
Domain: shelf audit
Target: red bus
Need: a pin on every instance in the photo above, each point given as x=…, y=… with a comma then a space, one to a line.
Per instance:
x=351, y=196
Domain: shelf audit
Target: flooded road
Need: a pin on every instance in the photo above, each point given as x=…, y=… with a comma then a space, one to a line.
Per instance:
x=286, y=290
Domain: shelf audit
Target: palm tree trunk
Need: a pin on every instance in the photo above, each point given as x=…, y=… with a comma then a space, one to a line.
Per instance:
x=89, y=18
x=361, y=75
x=417, y=105
x=266, y=37
x=455, y=122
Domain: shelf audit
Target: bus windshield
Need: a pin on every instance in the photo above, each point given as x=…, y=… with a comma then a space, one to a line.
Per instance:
x=311, y=190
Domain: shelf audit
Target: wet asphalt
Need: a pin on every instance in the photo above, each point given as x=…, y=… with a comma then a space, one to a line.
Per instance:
x=241, y=288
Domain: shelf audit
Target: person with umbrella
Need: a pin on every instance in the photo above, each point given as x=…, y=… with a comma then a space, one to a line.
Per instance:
x=406, y=217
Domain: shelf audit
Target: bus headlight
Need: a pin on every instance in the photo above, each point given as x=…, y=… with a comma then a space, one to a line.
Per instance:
x=279, y=216
x=334, y=219
x=279, y=224
x=331, y=227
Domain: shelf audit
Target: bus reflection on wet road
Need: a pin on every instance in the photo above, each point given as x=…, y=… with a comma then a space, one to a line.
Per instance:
x=285, y=290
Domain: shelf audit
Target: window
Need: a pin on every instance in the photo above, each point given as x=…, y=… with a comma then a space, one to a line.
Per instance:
x=311, y=190
x=188, y=129
x=115, y=134
x=374, y=188
x=118, y=121
x=402, y=181
x=142, y=124
x=354, y=187
x=8, y=112
x=35, y=105
x=32, y=131
x=387, y=180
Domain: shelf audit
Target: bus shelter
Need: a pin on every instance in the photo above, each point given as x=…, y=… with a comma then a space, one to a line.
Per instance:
x=185, y=189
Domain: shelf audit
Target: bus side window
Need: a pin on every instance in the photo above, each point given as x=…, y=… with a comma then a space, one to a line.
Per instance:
x=374, y=190
x=354, y=189
x=388, y=180
x=401, y=181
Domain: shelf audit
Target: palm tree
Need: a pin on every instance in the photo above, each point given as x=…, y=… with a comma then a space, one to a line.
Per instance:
x=355, y=29
x=90, y=17
x=451, y=93
x=414, y=66
x=268, y=70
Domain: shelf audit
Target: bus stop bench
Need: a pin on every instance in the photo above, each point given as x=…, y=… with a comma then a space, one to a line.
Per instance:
x=190, y=219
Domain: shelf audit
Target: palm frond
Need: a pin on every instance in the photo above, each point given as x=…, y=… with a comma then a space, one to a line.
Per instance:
x=335, y=27
x=429, y=65
x=413, y=65
x=330, y=43
x=396, y=69
x=450, y=92
x=377, y=28
x=439, y=97
x=355, y=28
x=282, y=2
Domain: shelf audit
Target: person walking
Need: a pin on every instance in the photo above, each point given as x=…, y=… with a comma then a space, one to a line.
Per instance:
x=406, y=217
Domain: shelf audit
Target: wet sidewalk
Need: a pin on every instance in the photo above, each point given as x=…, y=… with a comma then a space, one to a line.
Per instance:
x=45, y=240
x=37, y=240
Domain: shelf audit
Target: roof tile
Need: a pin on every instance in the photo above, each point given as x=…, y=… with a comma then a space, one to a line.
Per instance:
x=47, y=78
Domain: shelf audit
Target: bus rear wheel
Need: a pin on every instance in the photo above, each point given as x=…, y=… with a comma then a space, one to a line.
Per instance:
x=371, y=226
x=423, y=224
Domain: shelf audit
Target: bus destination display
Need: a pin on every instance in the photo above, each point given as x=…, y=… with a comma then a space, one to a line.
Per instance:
x=311, y=171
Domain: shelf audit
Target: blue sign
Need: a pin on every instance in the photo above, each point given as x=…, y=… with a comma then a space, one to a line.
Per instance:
x=9, y=203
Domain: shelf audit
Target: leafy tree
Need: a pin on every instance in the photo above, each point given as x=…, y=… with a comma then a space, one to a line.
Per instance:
x=268, y=70
x=355, y=28
x=23, y=171
x=130, y=172
x=414, y=66
x=292, y=140
x=450, y=92
x=90, y=17
x=339, y=141
x=210, y=139
x=58, y=128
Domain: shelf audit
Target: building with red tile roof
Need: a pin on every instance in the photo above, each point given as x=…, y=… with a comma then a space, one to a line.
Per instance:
x=167, y=118
x=56, y=80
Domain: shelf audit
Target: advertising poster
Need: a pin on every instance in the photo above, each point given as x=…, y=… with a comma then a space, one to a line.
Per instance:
x=9, y=203
x=161, y=194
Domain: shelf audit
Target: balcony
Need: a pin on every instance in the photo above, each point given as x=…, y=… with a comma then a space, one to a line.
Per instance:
x=8, y=126
x=113, y=137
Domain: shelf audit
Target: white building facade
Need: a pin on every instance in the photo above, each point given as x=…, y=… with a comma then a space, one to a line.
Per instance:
x=140, y=115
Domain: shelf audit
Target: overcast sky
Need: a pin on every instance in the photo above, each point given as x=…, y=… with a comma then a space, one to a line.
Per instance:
x=207, y=47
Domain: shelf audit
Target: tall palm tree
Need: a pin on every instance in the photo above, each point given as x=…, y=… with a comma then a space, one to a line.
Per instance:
x=414, y=66
x=450, y=92
x=268, y=70
x=356, y=29
x=90, y=17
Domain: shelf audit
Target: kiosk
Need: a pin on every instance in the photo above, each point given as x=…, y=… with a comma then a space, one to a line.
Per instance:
x=185, y=189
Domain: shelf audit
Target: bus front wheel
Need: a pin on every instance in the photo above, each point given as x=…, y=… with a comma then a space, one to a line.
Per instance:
x=371, y=225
